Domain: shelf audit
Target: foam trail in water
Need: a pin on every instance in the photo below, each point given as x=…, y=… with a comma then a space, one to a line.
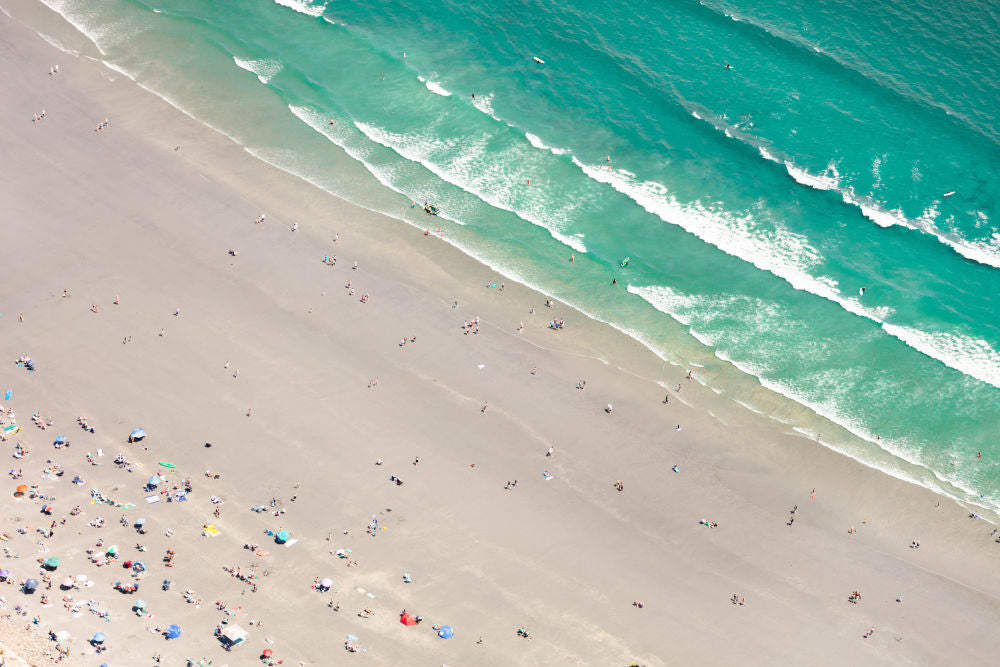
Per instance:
x=987, y=253
x=303, y=7
x=972, y=356
x=788, y=256
x=540, y=145
x=436, y=88
x=466, y=172
x=265, y=68
x=778, y=251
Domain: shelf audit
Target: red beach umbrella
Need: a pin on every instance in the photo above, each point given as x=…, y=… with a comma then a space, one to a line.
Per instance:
x=407, y=619
x=266, y=653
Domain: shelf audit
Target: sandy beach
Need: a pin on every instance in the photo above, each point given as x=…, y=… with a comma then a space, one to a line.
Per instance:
x=293, y=390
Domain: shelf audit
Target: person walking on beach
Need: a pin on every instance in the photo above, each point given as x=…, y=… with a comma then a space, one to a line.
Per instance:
x=483, y=409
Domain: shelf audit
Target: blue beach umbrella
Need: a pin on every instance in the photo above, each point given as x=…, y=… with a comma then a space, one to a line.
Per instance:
x=99, y=638
x=140, y=604
x=61, y=440
x=31, y=584
x=153, y=481
x=140, y=522
x=136, y=435
x=281, y=537
x=4, y=573
x=446, y=632
x=173, y=632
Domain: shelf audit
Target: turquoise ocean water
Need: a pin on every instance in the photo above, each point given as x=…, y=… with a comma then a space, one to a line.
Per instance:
x=755, y=202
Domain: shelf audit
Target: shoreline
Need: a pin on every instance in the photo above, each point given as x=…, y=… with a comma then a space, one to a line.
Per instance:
x=736, y=383
x=727, y=476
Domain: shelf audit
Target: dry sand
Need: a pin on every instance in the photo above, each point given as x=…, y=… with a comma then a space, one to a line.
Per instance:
x=120, y=212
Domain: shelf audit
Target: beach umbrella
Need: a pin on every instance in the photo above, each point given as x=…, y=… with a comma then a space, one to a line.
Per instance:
x=446, y=632
x=173, y=632
x=61, y=440
x=67, y=582
x=31, y=584
x=153, y=481
x=407, y=619
x=99, y=638
x=21, y=488
x=139, y=566
x=62, y=635
x=112, y=550
x=52, y=563
x=4, y=573
x=281, y=537
x=326, y=583
x=140, y=522
x=136, y=435
x=140, y=604
x=267, y=653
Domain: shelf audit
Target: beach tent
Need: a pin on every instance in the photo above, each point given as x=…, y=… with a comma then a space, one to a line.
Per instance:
x=281, y=537
x=51, y=563
x=232, y=636
x=407, y=619
x=136, y=435
x=446, y=632
x=173, y=631
x=99, y=638
x=30, y=585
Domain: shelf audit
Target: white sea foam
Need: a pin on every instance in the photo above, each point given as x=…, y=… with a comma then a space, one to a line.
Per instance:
x=97, y=31
x=121, y=70
x=59, y=45
x=541, y=145
x=973, y=356
x=776, y=250
x=265, y=68
x=303, y=7
x=469, y=173
x=982, y=252
x=436, y=88
x=790, y=257
x=485, y=104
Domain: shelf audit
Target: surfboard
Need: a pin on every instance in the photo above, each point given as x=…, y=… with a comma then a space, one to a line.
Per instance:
x=948, y=194
x=626, y=261
x=538, y=60
x=167, y=465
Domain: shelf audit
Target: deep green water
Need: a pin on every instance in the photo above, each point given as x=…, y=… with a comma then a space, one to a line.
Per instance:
x=754, y=202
